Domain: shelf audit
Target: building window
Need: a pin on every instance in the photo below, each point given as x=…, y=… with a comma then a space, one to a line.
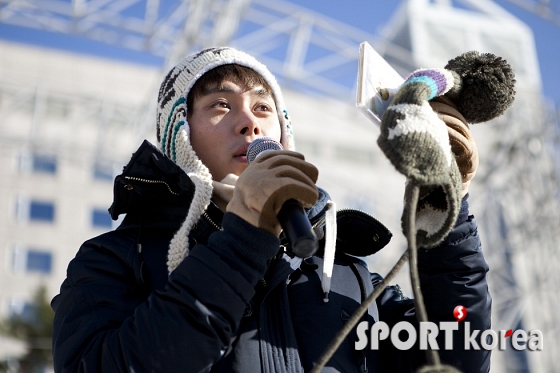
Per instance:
x=18, y=307
x=31, y=261
x=44, y=164
x=41, y=211
x=23, y=309
x=38, y=162
x=35, y=210
x=100, y=218
x=103, y=172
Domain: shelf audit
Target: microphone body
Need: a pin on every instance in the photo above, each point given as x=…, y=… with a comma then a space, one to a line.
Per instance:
x=292, y=216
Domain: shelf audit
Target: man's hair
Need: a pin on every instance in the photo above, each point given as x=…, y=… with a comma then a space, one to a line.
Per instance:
x=238, y=74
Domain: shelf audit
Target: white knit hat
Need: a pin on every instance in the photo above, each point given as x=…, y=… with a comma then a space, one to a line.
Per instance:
x=173, y=130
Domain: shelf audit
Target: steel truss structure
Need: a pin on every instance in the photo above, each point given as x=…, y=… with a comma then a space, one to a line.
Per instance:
x=548, y=10
x=279, y=32
x=160, y=27
x=518, y=185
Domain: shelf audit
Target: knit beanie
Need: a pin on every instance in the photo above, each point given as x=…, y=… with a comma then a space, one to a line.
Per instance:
x=173, y=132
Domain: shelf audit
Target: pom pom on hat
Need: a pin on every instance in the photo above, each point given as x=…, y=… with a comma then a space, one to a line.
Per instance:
x=486, y=87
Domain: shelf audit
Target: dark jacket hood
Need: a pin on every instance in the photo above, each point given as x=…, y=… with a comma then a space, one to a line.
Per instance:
x=150, y=180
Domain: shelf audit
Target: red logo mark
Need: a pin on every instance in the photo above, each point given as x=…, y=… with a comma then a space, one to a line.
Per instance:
x=460, y=312
x=508, y=333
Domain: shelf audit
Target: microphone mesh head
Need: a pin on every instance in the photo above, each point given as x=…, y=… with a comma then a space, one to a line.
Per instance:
x=261, y=145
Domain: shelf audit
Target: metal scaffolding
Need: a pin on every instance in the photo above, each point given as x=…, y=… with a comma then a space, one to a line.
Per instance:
x=518, y=185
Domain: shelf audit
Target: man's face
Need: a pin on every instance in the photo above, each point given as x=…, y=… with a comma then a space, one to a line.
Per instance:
x=225, y=121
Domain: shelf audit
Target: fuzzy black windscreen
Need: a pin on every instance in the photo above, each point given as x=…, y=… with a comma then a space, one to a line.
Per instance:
x=487, y=86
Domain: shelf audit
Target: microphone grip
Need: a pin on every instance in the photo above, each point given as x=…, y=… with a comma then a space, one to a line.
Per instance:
x=297, y=228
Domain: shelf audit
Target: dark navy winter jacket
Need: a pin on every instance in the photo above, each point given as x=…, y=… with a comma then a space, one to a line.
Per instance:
x=239, y=302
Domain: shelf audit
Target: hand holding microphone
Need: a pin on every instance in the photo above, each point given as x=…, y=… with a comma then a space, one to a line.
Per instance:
x=271, y=193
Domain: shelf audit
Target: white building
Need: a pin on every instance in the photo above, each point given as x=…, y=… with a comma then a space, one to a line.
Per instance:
x=64, y=128
x=68, y=123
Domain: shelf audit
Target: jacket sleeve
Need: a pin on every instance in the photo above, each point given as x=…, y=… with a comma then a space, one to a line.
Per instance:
x=451, y=274
x=104, y=323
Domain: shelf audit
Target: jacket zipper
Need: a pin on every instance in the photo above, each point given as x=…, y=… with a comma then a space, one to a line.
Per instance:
x=363, y=366
x=365, y=214
x=318, y=222
x=215, y=225
x=148, y=181
x=207, y=217
x=314, y=225
x=359, y=212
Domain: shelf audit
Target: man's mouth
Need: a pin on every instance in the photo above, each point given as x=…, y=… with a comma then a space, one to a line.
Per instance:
x=242, y=152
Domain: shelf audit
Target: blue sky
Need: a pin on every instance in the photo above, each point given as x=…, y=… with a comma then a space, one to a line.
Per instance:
x=368, y=15
x=371, y=15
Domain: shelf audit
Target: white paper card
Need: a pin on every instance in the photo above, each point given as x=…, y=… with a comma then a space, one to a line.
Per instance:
x=377, y=83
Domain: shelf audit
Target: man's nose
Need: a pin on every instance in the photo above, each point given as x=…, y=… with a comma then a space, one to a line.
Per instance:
x=248, y=123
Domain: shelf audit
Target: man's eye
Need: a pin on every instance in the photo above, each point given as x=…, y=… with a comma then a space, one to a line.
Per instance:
x=263, y=108
x=221, y=104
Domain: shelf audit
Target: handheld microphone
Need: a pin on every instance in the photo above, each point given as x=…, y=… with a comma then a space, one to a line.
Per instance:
x=292, y=216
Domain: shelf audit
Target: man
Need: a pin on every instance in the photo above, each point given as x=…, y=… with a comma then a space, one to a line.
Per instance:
x=198, y=277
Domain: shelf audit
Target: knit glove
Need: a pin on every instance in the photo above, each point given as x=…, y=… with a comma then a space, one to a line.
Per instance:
x=435, y=152
x=270, y=180
x=416, y=142
x=460, y=138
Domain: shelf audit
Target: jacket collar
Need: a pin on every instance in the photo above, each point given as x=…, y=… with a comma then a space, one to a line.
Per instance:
x=150, y=180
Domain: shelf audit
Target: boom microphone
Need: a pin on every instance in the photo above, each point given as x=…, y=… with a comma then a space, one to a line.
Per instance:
x=292, y=217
